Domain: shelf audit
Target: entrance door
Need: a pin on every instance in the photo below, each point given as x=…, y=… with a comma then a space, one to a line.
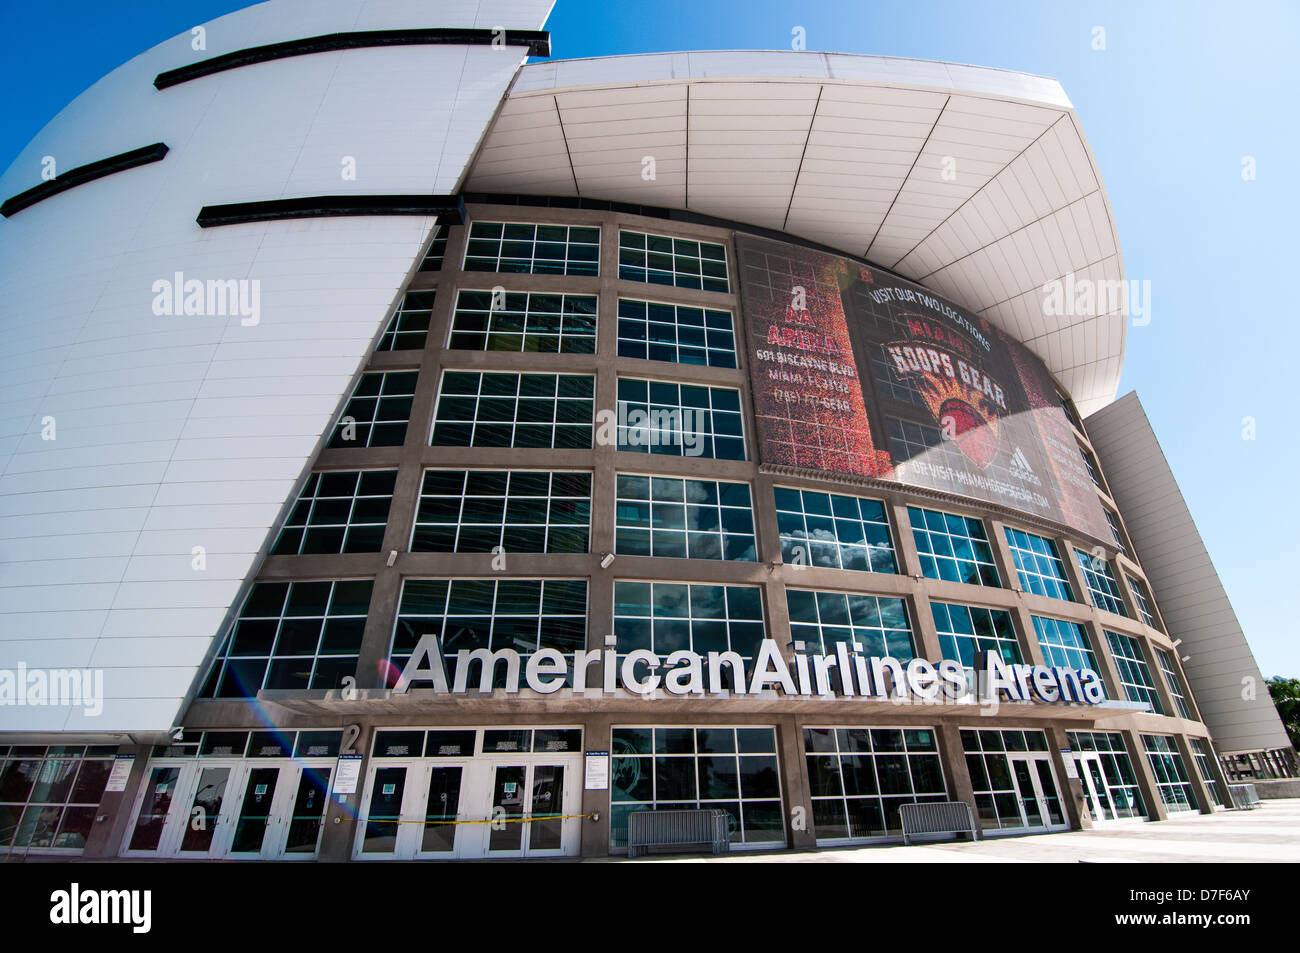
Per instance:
x=413, y=809
x=281, y=811
x=1040, y=800
x=531, y=807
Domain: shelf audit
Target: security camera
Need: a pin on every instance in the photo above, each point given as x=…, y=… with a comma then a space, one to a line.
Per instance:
x=177, y=733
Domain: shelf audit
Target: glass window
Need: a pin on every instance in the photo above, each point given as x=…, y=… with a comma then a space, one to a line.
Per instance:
x=1203, y=755
x=1065, y=644
x=437, y=249
x=1117, y=770
x=522, y=511
x=1113, y=521
x=730, y=769
x=408, y=328
x=378, y=411
x=494, y=614
x=1094, y=471
x=1169, y=668
x=695, y=519
x=1134, y=676
x=967, y=632
x=666, y=616
x=1040, y=569
x=997, y=799
x=953, y=548
x=860, y=777
x=681, y=262
x=908, y=439
x=340, y=511
x=893, y=386
x=875, y=626
x=49, y=796
x=1139, y=593
x=680, y=419
x=292, y=635
x=520, y=248
x=552, y=411
x=834, y=531
x=1102, y=588
x=683, y=334
x=1171, y=775
x=536, y=322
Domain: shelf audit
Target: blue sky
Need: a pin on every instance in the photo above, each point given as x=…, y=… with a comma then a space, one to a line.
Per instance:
x=1182, y=92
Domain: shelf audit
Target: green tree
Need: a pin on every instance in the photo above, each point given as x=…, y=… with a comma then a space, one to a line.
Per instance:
x=1285, y=693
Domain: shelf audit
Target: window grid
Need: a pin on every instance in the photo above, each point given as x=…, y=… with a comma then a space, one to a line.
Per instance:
x=732, y=769
x=953, y=548
x=1134, y=677
x=860, y=777
x=531, y=322
x=1169, y=669
x=49, y=796
x=521, y=511
x=891, y=386
x=1171, y=775
x=666, y=616
x=1116, y=769
x=1204, y=759
x=967, y=632
x=1091, y=463
x=1040, y=569
x=680, y=262
x=877, y=625
x=1113, y=521
x=297, y=635
x=1138, y=591
x=378, y=411
x=494, y=614
x=437, y=249
x=834, y=531
x=339, y=511
x=997, y=799
x=553, y=411
x=681, y=334
x=1065, y=644
x=408, y=329
x=680, y=519
x=1102, y=588
x=520, y=248
x=908, y=439
x=680, y=419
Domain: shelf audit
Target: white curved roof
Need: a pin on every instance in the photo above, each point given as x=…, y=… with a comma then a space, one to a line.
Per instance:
x=977, y=183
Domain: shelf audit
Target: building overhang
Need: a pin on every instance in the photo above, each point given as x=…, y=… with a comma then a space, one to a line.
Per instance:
x=978, y=183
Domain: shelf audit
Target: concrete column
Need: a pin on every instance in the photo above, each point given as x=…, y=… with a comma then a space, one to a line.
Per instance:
x=1073, y=796
x=796, y=792
x=342, y=815
x=953, y=756
x=596, y=736
x=1204, y=802
x=117, y=809
x=1146, y=778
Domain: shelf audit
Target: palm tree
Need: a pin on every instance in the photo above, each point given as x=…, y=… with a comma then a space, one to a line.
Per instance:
x=1286, y=696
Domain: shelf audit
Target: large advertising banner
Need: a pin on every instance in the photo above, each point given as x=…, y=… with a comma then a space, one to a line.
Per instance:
x=856, y=371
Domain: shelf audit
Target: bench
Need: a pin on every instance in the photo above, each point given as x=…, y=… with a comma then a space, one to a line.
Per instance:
x=942, y=817
x=686, y=828
x=1244, y=796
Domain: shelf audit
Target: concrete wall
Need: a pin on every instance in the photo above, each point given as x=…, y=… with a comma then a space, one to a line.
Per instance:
x=1218, y=661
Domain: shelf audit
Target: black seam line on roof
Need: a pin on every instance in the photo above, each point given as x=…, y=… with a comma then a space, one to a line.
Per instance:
x=83, y=174
x=538, y=43
x=1036, y=337
x=794, y=187
x=672, y=215
x=686, y=153
x=990, y=181
x=565, y=137
x=902, y=185
x=449, y=209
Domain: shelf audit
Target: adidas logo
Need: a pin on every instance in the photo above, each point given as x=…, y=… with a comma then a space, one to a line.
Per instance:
x=1018, y=462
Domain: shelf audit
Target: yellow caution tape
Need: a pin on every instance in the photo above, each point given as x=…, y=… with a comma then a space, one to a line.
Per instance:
x=490, y=820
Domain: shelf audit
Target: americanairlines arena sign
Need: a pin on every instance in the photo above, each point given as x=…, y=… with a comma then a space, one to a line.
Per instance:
x=841, y=674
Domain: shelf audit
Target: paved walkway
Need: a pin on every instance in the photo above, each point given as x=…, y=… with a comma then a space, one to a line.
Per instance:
x=1269, y=833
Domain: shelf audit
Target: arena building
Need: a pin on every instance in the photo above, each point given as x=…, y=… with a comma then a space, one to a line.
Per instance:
x=413, y=451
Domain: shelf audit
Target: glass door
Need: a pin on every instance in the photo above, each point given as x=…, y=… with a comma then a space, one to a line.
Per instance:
x=306, y=812
x=255, y=816
x=546, y=829
x=509, y=791
x=203, y=820
x=380, y=829
x=1031, y=809
x=440, y=832
x=154, y=809
x=1040, y=800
